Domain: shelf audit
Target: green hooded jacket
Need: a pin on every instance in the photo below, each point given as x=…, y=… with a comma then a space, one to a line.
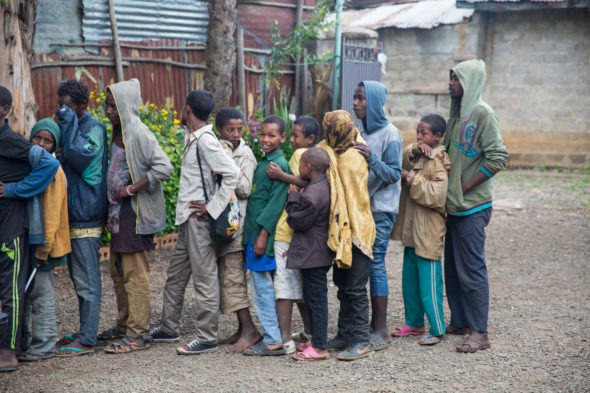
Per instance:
x=473, y=141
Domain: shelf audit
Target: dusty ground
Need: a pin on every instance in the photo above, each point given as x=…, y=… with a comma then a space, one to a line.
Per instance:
x=538, y=251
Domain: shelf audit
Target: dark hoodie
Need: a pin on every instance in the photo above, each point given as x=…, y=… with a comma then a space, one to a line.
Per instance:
x=473, y=141
x=385, y=142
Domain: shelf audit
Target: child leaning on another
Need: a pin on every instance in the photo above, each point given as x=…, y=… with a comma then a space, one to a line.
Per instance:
x=40, y=301
x=288, y=282
x=421, y=229
x=264, y=209
x=309, y=213
x=233, y=290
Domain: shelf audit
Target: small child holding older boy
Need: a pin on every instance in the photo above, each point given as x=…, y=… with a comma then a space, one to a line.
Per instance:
x=309, y=213
x=421, y=229
x=264, y=209
x=233, y=288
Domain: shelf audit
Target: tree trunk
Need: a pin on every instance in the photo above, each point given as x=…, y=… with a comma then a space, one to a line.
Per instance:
x=17, y=23
x=220, y=53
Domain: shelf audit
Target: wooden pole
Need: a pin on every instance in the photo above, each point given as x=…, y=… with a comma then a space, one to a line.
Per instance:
x=298, y=68
x=116, y=46
x=241, y=69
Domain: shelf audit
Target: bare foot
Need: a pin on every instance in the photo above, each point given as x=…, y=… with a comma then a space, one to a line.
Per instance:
x=231, y=339
x=243, y=343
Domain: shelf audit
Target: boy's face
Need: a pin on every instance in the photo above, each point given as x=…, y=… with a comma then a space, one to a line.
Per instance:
x=45, y=140
x=359, y=103
x=425, y=135
x=455, y=87
x=270, y=138
x=232, y=131
x=111, y=110
x=304, y=170
x=67, y=100
x=298, y=139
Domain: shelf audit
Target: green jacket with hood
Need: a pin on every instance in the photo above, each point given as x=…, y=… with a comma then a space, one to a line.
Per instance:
x=473, y=141
x=144, y=156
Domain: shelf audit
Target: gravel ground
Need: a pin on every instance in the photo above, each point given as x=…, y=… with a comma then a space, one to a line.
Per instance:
x=537, y=254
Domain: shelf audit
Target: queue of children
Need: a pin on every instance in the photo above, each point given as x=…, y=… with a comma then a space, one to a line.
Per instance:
x=331, y=206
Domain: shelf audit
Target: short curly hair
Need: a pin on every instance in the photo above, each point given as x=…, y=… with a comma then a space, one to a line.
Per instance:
x=77, y=91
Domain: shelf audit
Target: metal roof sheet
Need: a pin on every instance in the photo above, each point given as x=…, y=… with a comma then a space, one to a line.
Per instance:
x=422, y=15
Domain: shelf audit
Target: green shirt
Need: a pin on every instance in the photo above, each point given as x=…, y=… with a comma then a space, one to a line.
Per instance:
x=266, y=201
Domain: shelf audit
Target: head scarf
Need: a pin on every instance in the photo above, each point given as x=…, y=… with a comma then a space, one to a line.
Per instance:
x=341, y=134
x=50, y=126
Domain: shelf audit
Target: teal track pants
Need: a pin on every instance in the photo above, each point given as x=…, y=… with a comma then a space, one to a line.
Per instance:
x=422, y=287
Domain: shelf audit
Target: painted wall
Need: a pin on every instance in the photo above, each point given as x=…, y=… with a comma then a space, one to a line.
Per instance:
x=538, y=79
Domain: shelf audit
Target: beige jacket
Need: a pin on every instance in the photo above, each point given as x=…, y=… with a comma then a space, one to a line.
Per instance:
x=421, y=220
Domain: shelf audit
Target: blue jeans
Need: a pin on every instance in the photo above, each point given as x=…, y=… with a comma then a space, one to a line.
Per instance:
x=466, y=275
x=40, y=308
x=84, y=267
x=383, y=226
x=263, y=291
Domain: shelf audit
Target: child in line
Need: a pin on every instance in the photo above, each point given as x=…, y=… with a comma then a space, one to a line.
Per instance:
x=233, y=290
x=352, y=234
x=264, y=209
x=309, y=212
x=421, y=229
x=288, y=286
x=39, y=344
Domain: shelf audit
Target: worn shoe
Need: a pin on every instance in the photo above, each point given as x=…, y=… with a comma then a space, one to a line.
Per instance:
x=159, y=336
x=301, y=337
x=34, y=357
x=338, y=343
x=355, y=351
x=289, y=347
x=196, y=348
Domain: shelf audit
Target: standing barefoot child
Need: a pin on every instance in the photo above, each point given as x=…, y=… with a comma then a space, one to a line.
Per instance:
x=421, y=228
x=309, y=213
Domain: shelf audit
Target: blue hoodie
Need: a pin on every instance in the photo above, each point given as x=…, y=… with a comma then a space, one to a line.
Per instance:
x=385, y=142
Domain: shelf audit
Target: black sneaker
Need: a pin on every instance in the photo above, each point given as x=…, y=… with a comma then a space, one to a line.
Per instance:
x=338, y=343
x=159, y=336
x=196, y=348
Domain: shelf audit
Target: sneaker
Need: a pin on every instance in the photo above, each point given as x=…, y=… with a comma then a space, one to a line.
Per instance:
x=289, y=347
x=338, y=343
x=355, y=351
x=196, y=348
x=159, y=336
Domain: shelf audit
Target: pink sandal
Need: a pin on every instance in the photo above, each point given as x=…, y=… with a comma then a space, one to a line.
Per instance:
x=303, y=346
x=405, y=331
x=309, y=354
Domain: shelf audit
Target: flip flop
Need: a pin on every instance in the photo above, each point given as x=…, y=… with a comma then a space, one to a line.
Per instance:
x=74, y=351
x=261, y=349
x=67, y=339
x=376, y=343
x=301, y=347
x=429, y=339
x=309, y=354
x=405, y=331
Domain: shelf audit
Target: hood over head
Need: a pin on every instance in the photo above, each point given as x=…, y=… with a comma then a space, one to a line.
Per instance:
x=50, y=126
x=472, y=75
x=127, y=95
x=375, y=94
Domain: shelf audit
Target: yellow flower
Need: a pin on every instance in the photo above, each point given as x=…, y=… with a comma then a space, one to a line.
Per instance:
x=152, y=106
x=98, y=100
x=141, y=107
x=176, y=121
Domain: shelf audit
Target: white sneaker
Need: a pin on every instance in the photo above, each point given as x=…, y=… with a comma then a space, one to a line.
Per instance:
x=289, y=347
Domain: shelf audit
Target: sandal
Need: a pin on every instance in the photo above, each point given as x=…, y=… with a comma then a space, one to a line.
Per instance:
x=428, y=339
x=110, y=334
x=66, y=340
x=405, y=331
x=472, y=345
x=261, y=349
x=376, y=343
x=71, y=351
x=301, y=347
x=310, y=354
x=127, y=345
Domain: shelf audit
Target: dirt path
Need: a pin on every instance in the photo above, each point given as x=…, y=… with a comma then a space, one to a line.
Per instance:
x=538, y=250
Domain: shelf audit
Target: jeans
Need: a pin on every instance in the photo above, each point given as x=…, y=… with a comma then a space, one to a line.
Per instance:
x=466, y=275
x=383, y=226
x=40, y=308
x=315, y=294
x=353, y=317
x=263, y=291
x=83, y=264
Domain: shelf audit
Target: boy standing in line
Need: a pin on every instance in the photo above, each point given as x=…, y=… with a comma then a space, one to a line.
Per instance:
x=19, y=161
x=421, y=229
x=84, y=161
x=195, y=251
x=233, y=287
x=477, y=152
x=264, y=209
x=137, y=168
x=383, y=152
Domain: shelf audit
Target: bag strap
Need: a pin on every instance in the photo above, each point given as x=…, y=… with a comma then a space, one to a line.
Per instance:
x=201, y=168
